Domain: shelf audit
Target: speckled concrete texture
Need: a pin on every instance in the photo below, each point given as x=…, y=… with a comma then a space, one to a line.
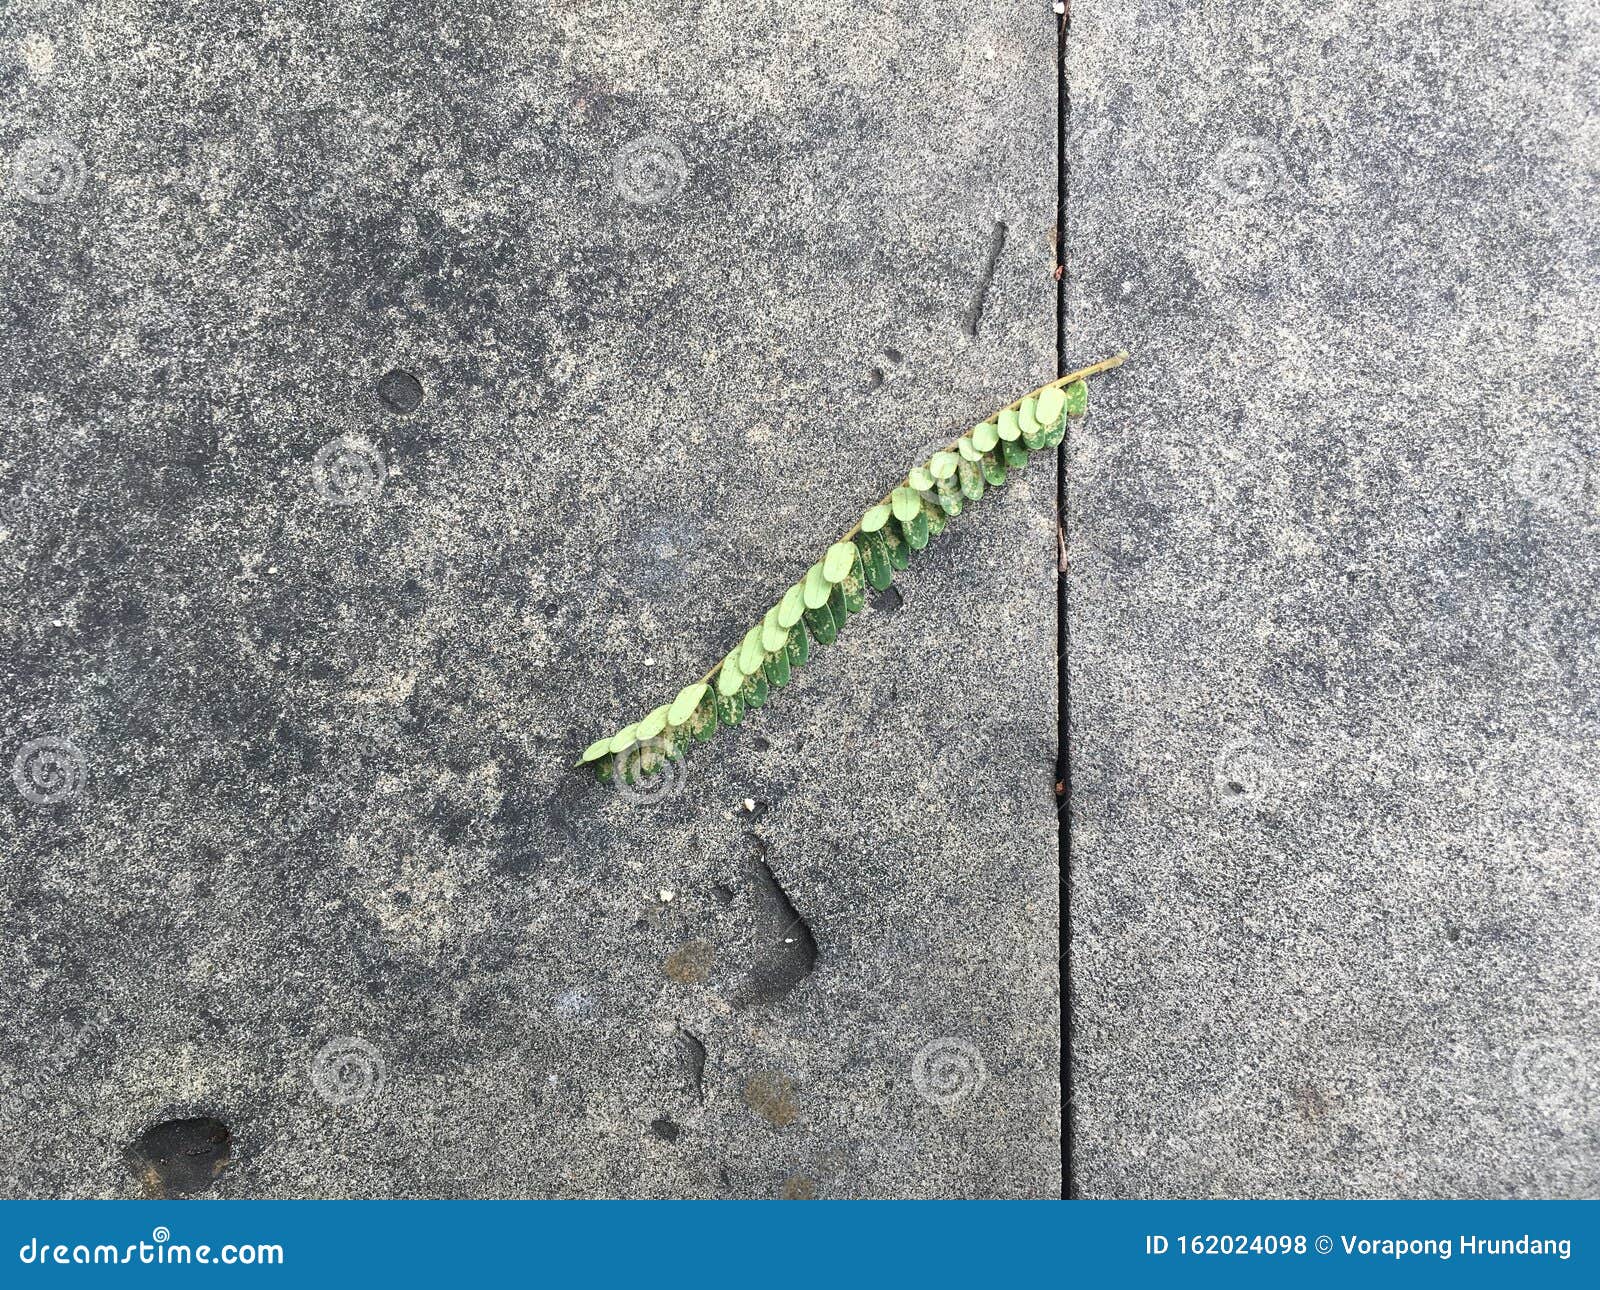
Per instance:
x=396, y=397
x=1332, y=609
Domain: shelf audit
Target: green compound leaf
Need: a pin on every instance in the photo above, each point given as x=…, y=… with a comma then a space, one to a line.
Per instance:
x=815, y=608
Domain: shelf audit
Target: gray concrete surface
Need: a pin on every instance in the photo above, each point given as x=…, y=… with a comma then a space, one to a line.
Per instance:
x=1333, y=609
x=396, y=397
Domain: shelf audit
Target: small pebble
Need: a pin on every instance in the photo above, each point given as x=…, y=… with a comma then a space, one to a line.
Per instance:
x=666, y=896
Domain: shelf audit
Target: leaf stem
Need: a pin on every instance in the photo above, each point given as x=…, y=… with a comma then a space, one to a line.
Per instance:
x=1094, y=369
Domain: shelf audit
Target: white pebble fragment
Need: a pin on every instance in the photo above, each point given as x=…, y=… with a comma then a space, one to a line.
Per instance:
x=750, y=804
x=666, y=896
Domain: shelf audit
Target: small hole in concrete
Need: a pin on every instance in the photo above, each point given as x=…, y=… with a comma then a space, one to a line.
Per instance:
x=179, y=1157
x=665, y=1129
x=400, y=392
x=888, y=600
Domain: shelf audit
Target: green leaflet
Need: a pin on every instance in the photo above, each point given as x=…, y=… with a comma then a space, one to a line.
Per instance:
x=750, y=651
x=791, y=606
x=899, y=553
x=1032, y=431
x=839, y=561
x=817, y=606
x=971, y=478
x=910, y=516
x=1050, y=405
x=686, y=704
x=730, y=708
x=755, y=691
x=950, y=496
x=837, y=607
x=852, y=588
x=816, y=587
x=773, y=636
x=875, y=557
x=819, y=622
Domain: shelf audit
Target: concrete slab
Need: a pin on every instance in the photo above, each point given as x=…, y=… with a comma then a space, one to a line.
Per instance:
x=1334, y=820
x=401, y=394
